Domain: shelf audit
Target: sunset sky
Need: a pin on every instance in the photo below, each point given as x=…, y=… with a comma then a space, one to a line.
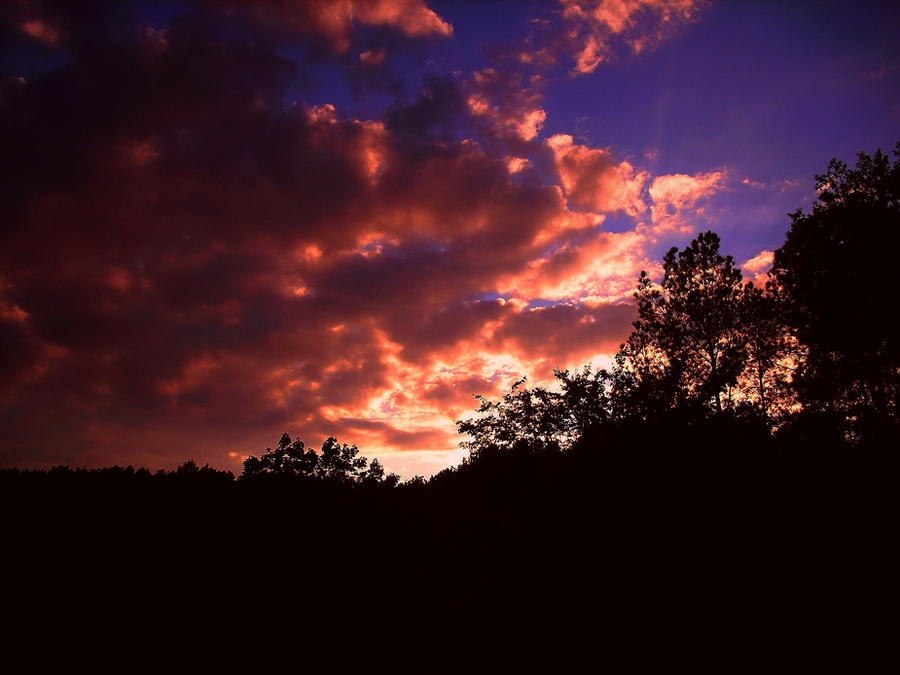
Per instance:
x=222, y=220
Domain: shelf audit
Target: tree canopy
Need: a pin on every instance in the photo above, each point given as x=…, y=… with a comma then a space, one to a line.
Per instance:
x=836, y=275
x=338, y=463
x=815, y=350
x=687, y=341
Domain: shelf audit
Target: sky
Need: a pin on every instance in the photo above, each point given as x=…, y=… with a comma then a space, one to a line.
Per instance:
x=222, y=220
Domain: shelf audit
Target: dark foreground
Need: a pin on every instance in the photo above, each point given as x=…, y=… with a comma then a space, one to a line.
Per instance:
x=615, y=532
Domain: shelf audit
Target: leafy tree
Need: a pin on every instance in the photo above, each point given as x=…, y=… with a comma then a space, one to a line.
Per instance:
x=375, y=476
x=687, y=347
x=289, y=458
x=772, y=353
x=536, y=420
x=336, y=462
x=836, y=272
x=585, y=399
x=534, y=415
x=340, y=462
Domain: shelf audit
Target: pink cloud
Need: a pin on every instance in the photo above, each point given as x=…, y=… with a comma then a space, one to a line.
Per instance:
x=335, y=19
x=759, y=263
x=506, y=104
x=233, y=267
x=595, y=27
x=676, y=198
x=373, y=57
x=593, y=179
x=601, y=270
x=756, y=269
x=412, y=17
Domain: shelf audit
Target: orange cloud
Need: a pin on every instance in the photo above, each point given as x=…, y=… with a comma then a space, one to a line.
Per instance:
x=592, y=179
x=231, y=269
x=412, y=17
x=517, y=164
x=335, y=19
x=759, y=263
x=594, y=27
x=41, y=30
x=602, y=270
x=506, y=104
x=373, y=57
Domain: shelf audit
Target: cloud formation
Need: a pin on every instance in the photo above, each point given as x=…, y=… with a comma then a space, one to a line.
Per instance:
x=336, y=20
x=677, y=199
x=596, y=27
x=594, y=180
x=195, y=261
x=505, y=104
x=757, y=268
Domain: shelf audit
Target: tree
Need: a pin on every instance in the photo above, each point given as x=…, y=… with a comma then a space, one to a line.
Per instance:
x=340, y=462
x=336, y=462
x=836, y=272
x=772, y=353
x=533, y=415
x=687, y=347
x=585, y=399
x=287, y=459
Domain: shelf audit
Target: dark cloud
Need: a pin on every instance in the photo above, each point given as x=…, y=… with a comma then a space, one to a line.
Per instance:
x=439, y=109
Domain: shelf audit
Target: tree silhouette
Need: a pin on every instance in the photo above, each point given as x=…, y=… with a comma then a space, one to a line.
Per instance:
x=687, y=347
x=534, y=415
x=772, y=353
x=339, y=463
x=586, y=399
x=289, y=458
x=836, y=273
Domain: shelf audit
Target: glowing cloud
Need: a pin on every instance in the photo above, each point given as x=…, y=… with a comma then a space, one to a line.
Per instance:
x=200, y=254
x=507, y=106
x=675, y=198
x=334, y=19
x=40, y=30
x=592, y=179
x=758, y=266
x=595, y=26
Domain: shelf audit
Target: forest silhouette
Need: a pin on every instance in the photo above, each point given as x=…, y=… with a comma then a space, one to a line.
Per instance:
x=737, y=423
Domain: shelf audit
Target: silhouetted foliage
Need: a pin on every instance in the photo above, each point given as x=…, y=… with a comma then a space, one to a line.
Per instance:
x=836, y=273
x=687, y=347
x=337, y=463
x=772, y=354
x=522, y=414
x=811, y=356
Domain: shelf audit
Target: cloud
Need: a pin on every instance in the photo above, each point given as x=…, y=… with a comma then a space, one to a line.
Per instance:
x=583, y=34
x=757, y=268
x=372, y=57
x=437, y=111
x=42, y=31
x=194, y=263
x=594, y=28
x=507, y=107
x=594, y=180
x=335, y=20
x=601, y=269
x=676, y=198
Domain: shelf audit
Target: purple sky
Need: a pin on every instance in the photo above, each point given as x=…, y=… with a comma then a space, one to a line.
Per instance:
x=224, y=219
